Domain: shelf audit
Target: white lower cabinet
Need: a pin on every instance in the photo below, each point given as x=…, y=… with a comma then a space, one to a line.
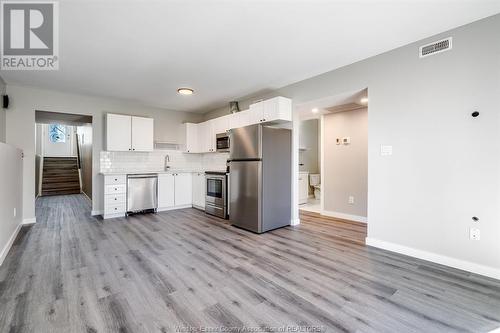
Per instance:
x=166, y=191
x=174, y=190
x=115, y=196
x=199, y=185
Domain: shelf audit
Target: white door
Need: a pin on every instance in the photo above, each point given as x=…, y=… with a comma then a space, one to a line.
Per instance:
x=183, y=189
x=118, y=132
x=142, y=134
x=166, y=191
x=58, y=140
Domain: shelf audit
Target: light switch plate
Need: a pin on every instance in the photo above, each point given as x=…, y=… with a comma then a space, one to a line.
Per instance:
x=385, y=150
x=346, y=140
x=474, y=234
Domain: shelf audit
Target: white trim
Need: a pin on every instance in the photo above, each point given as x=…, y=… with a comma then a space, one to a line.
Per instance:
x=85, y=195
x=29, y=221
x=7, y=246
x=164, y=209
x=436, y=258
x=294, y=221
x=96, y=212
x=356, y=218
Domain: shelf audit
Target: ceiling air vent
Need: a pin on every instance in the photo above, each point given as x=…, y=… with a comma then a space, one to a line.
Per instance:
x=435, y=47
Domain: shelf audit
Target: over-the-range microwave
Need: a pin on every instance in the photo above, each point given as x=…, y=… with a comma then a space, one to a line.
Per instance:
x=222, y=140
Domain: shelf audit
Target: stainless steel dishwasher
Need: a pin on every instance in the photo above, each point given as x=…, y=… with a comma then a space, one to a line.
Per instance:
x=142, y=192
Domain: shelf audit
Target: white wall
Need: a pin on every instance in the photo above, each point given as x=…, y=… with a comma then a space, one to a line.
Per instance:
x=446, y=164
x=21, y=128
x=11, y=181
x=346, y=166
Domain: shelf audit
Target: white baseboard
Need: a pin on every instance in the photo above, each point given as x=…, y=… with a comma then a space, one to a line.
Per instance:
x=96, y=212
x=436, y=258
x=7, y=246
x=29, y=221
x=344, y=216
x=174, y=208
x=294, y=221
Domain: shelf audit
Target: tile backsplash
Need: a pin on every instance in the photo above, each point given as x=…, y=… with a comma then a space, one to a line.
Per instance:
x=155, y=160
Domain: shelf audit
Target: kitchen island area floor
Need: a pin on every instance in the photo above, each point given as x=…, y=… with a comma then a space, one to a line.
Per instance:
x=185, y=271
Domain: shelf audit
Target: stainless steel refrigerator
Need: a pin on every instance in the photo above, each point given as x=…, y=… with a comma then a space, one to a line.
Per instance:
x=260, y=181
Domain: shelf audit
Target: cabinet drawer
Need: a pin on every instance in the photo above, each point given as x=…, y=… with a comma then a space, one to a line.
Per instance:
x=113, y=199
x=115, y=189
x=114, y=180
x=115, y=209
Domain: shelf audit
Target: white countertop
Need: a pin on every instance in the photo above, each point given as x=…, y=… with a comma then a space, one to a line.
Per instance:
x=136, y=172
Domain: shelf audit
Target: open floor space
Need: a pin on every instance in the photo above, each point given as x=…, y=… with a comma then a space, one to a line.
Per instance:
x=178, y=269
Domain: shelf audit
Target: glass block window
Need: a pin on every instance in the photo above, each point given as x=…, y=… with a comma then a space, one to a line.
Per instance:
x=57, y=133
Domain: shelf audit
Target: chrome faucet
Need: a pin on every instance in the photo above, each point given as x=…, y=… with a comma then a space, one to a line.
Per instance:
x=167, y=160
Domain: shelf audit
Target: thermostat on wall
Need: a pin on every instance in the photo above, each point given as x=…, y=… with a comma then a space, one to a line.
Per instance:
x=346, y=140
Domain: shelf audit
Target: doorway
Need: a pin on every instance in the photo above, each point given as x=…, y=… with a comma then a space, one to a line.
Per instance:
x=63, y=157
x=333, y=164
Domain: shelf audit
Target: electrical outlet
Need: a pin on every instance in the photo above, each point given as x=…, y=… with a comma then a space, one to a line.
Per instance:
x=15, y=212
x=474, y=234
x=351, y=200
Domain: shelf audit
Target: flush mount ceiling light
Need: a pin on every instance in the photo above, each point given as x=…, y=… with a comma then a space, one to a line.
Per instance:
x=364, y=100
x=185, y=91
x=315, y=110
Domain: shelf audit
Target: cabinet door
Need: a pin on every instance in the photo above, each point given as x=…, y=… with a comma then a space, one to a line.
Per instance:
x=245, y=118
x=166, y=191
x=199, y=189
x=183, y=189
x=256, y=112
x=277, y=108
x=142, y=134
x=191, y=132
x=118, y=132
x=207, y=137
x=221, y=124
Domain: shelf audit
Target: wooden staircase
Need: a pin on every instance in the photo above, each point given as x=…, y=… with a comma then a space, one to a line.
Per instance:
x=60, y=176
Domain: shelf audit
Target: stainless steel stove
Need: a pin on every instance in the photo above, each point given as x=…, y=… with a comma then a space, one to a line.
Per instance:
x=216, y=194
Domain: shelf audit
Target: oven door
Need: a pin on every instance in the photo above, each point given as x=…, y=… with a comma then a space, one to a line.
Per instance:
x=215, y=193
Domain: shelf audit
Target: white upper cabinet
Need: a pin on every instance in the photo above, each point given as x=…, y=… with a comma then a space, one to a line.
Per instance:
x=277, y=108
x=201, y=138
x=142, y=134
x=118, y=132
x=240, y=119
x=256, y=113
x=191, y=139
x=129, y=133
x=271, y=110
x=221, y=124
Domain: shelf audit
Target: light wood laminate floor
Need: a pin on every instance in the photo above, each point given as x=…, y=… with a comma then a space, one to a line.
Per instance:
x=169, y=271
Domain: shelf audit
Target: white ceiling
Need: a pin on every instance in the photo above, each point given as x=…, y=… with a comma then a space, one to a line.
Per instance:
x=225, y=50
x=348, y=98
